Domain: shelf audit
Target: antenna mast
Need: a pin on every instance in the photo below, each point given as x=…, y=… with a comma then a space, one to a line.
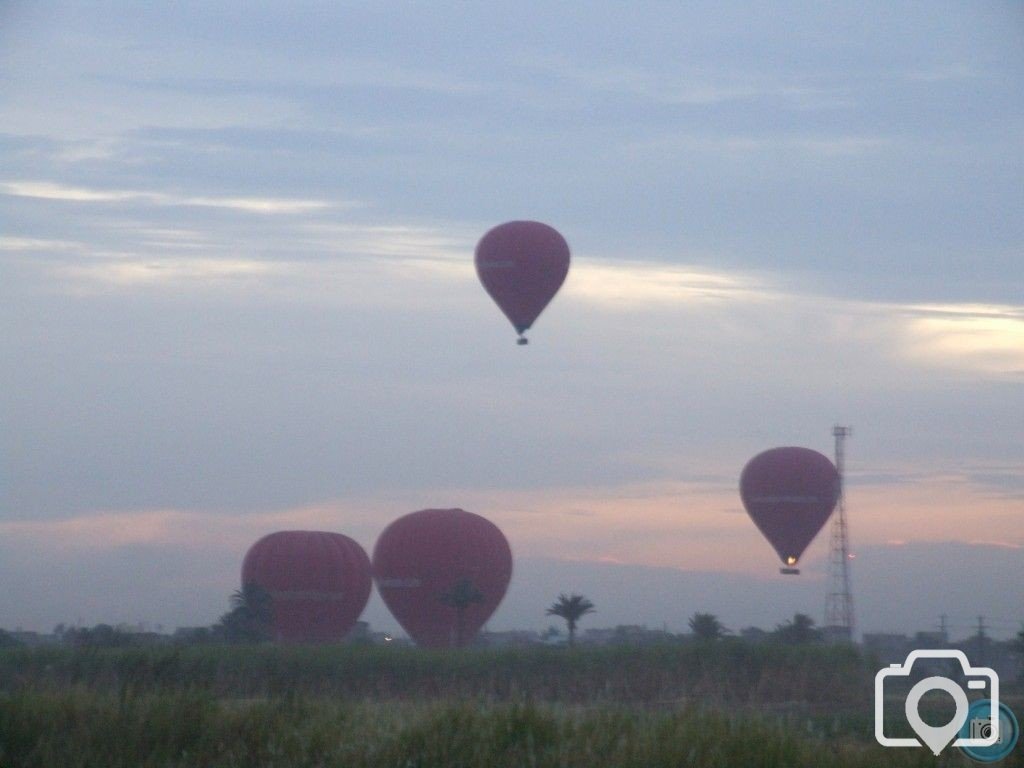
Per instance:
x=839, y=599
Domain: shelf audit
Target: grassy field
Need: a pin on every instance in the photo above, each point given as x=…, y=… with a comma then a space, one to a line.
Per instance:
x=729, y=704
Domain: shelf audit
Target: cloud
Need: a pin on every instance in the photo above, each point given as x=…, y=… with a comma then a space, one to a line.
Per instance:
x=46, y=190
x=619, y=286
x=132, y=272
x=316, y=258
x=817, y=146
x=693, y=88
x=37, y=244
x=999, y=544
x=987, y=338
x=163, y=528
x=306, y=79
x=102, y=530
x=665, y=523
x=255, y=204
x=432, y=247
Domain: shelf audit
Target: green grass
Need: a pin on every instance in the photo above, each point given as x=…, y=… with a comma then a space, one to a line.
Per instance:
x=80, y=728
x=727, y=672
x=729, y=704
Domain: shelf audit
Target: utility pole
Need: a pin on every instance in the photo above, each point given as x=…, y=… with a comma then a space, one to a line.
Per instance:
x=981, y=640
x=943, y=628
x=839, y=598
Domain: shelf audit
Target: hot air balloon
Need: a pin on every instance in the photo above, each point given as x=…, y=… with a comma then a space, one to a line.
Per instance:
x=318, y=583
x=442, y=573
x=522, y=264
x=789, y=493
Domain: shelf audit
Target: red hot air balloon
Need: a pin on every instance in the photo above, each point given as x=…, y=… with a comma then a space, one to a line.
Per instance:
x=442, y=573
x=522, y=264
x=789, y=493
x=318, y=583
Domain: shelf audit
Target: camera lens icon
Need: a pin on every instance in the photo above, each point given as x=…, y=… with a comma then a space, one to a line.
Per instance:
x=980, y=726
x=981, y=679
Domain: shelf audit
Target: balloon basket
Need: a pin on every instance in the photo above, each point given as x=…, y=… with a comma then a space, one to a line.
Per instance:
x=522, y=341
x=789, y=571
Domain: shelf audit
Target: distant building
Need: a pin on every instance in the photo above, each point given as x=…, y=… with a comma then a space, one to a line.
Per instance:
x=1002, y=657
x=930, y=640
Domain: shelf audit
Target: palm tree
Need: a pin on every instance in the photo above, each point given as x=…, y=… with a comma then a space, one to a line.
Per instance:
x=253, y=599
x=571, y=608
x=460, y=596
x=799, y=630
x=251, y=615
x=706, y=626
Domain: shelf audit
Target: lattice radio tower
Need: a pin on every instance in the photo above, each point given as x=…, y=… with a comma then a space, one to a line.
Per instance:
x=839, y=599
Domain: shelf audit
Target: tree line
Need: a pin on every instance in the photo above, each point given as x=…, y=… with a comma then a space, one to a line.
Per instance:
x=250, y=620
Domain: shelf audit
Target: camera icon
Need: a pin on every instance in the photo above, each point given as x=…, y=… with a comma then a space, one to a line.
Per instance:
x=984, y=732
x=981, y=728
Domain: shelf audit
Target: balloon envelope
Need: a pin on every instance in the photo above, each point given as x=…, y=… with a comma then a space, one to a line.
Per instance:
x=522, y=264
x=422, y=560
x=789, y=493
x=318, y=583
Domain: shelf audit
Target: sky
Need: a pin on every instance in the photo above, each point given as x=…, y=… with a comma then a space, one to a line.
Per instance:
x=237, y=295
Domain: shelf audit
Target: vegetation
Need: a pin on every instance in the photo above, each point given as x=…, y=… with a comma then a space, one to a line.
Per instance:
x=7, y=640
x=462, y=595
x=100, y=636
x=676, y=704
x=799, y=630
x=78, y=729
x=730, y=673
x=706, y=627
x=250, y=618
x=571, y=608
